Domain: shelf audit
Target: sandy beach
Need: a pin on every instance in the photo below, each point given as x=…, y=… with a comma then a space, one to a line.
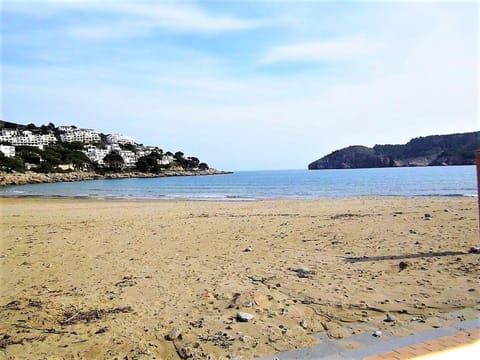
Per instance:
x=84, y=278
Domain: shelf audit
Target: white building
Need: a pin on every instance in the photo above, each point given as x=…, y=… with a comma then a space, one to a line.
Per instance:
x=140, y=153
x=114, y=147
x=96, y=154
x=66, y=129
x=8, y=151
x=66, y=167
x=28, y=139
x=119, y=139
x=70, y=134
x=10, y=132
x=4, y=138
x=165, y=160
x=129, y=158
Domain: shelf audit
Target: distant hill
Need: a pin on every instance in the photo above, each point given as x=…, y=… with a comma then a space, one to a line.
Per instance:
x=453, y=149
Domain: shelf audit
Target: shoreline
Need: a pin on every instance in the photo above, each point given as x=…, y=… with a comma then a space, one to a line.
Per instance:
x=167, y=198
x=107, y=279
x=30, y=177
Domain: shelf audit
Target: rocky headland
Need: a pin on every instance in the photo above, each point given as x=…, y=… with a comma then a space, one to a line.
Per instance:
x=435, y=150
x=31, y=177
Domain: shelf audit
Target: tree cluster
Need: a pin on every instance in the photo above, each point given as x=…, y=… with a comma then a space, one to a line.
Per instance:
x=46, y=160
x=151, y=163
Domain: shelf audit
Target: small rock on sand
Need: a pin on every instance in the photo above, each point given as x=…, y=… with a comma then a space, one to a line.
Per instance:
x=389, y=318
x=304, y=324
x=248, y=303
x=377, y=333
x=101, y=330
x=303, y=271
x=244, y=317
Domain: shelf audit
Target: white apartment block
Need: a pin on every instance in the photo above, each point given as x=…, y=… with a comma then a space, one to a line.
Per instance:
x=29, y=139
x=71, y=134
x=95, y=154
x=119, y=139
x=128, y=157
x=8, y=151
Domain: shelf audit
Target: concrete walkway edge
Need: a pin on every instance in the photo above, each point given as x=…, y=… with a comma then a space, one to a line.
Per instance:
x=331, y=350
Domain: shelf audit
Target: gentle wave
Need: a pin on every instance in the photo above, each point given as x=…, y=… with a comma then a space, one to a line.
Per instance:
x=14, y=192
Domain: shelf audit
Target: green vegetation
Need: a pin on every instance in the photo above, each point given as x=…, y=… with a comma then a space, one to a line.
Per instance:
x=203, y=166
x=461, y=147
x=152, y=163
x=47, y=160
x=129, y=147
x=114, y=161
x=11, y=163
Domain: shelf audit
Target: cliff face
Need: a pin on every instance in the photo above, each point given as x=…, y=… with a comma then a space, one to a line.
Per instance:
x=454, y=149
x=351, y=157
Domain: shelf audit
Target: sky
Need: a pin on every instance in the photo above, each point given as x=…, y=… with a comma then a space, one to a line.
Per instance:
x=244, y=85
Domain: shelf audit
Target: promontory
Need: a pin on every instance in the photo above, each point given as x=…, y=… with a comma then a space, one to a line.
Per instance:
x=435, y=150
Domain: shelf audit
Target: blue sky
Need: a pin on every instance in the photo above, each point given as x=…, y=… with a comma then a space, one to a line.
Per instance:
x=244, y=85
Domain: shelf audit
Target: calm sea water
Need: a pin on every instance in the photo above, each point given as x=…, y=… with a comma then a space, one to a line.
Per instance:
x=244, y=185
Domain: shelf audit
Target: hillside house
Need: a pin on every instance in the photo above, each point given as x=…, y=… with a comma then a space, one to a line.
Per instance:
x=7, y=150
x=128, y=157
x=71, y=134
x=120, y=139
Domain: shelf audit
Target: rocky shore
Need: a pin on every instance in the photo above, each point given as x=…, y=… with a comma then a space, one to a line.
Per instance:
x=30, y=177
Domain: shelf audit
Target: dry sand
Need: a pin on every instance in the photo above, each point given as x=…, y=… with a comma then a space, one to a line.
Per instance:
x=83, y=278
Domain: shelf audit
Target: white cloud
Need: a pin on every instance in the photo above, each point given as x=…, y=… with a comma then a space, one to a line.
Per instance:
x=181, y=17
x=344, y=48
x=135, y=18
x=112, y=30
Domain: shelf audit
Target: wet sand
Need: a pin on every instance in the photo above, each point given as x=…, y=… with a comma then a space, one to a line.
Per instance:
x=84, y=278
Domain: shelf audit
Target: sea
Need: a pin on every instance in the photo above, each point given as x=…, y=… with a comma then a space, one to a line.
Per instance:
x=253, y=185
